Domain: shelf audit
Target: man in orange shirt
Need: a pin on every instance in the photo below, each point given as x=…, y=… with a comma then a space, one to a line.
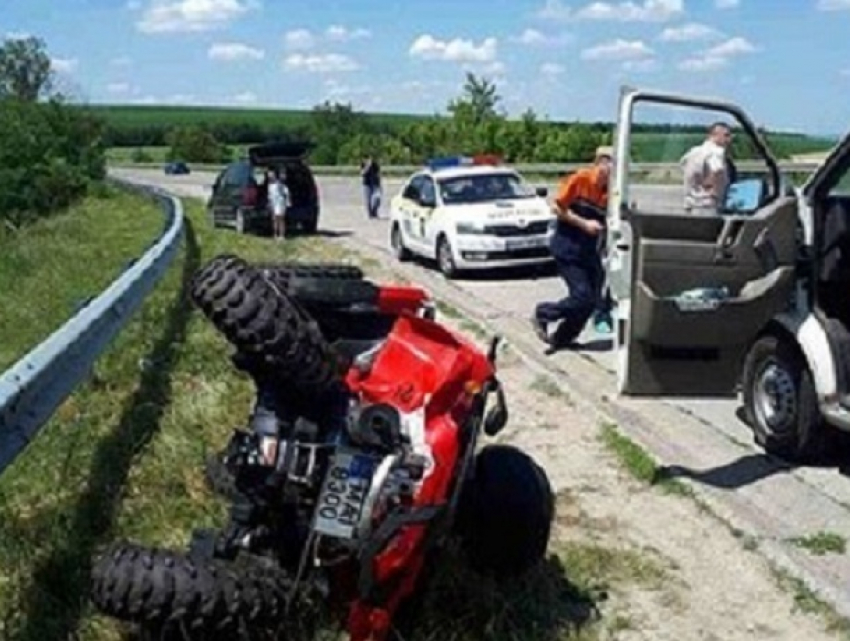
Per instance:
x=580, y=209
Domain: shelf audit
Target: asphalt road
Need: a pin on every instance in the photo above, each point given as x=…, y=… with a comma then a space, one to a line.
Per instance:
x=703, y=440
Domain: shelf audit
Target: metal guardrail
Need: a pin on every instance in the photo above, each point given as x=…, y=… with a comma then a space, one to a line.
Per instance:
x=34, y=387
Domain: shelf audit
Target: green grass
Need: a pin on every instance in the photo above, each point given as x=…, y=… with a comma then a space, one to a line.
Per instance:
x=808, y=602
x=51, y=267
x=638, y=463
x=821, y=543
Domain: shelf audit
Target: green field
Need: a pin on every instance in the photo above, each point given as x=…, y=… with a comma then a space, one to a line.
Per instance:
x=123, y=116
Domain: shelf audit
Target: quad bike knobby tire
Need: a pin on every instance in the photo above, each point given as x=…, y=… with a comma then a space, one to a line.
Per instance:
x=282, y=273
x=259, y=320
x=321, y=284
x=505, y=512
x=183, y=597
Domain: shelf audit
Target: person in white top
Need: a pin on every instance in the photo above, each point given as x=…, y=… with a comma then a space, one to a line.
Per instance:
x=706, y=171
x=278, y=202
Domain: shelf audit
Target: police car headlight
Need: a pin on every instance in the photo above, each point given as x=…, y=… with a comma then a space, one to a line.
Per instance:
x=468, y=228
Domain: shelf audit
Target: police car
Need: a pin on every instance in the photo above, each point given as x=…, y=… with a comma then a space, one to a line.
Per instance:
x=470, y=213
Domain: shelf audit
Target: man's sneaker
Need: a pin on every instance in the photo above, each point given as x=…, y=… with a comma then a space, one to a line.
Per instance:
x=603, y=326
x=540, y=329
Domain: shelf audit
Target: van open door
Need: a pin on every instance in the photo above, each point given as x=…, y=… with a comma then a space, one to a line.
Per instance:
x=692, y=290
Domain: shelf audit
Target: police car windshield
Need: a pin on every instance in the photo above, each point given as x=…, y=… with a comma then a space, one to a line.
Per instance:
x=483, y=188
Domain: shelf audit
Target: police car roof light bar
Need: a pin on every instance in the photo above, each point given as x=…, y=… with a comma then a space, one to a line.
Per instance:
x=463, y=161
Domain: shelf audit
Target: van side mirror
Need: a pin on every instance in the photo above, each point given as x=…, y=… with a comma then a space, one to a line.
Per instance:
x=542, y=192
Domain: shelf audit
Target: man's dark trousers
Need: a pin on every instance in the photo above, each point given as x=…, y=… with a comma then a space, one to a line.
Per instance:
x=583, y=274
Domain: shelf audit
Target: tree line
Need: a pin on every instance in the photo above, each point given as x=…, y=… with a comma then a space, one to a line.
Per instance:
x=50, y=152
x=474, y=123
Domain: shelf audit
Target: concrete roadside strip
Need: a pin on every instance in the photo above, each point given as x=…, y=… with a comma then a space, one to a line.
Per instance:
x=754, y=497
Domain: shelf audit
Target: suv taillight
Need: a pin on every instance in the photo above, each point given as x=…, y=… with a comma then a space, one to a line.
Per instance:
x=249, y=196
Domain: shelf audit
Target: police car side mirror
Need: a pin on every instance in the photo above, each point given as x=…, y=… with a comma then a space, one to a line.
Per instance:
x=542, y=192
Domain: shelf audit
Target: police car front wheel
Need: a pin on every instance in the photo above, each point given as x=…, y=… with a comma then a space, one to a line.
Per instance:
x=445, y=258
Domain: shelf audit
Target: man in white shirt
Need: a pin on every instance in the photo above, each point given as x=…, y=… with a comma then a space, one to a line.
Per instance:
x=706, y=171
x=278, y=201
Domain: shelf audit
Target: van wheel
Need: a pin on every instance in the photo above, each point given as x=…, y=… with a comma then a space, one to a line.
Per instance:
x=780, y=402
x=401, y=252
x=445, y=260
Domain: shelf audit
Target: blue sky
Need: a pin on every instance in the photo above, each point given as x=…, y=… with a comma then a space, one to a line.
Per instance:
x=787, y=62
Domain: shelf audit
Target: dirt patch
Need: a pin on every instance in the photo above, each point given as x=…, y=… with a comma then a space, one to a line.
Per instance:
x=688, y=576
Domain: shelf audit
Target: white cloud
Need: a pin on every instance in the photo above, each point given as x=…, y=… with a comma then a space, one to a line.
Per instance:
x=551, y=69
x=246, y=97
x=689, y=32
x=320, y=63
x=535, y=38
x=732, y=47
x=718, y=56
x=457, y=50
x=339, y=32
x=618, y=49
x=17, y=35
x=726, y=4
x=230, y=51
x=833, y=5
x=64, y=65
x=646, y=11
x=299, y=39
x=184, y=16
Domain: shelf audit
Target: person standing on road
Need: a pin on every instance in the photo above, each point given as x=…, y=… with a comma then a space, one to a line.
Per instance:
x=370, y=172
x=706, y=171
x=580, y=209
x=278, y=202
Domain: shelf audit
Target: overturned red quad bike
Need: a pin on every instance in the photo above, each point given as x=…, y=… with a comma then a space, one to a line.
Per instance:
x=360, y=461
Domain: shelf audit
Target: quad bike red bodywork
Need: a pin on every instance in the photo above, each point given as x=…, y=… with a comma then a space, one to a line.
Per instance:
x=423, y=367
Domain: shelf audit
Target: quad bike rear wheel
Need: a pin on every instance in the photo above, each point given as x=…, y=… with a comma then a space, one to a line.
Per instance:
x=176, y=596
x=505, y=512
x=261, y=321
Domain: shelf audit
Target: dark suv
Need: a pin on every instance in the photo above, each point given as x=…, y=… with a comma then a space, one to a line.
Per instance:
x=239, y=196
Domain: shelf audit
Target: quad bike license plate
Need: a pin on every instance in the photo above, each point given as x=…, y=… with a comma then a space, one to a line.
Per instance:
x=343, y=494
